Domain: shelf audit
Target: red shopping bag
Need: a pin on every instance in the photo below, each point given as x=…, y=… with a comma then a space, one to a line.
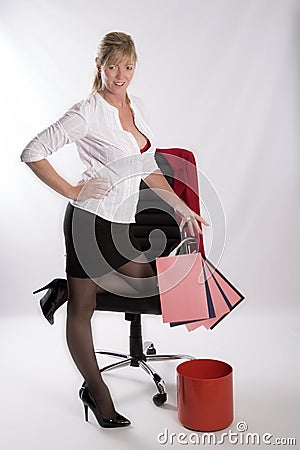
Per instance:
x=225, y=297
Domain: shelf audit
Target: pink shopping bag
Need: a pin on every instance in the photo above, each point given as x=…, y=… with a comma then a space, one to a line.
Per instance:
x=182, y=294
x=193, y=291
x=222, y=297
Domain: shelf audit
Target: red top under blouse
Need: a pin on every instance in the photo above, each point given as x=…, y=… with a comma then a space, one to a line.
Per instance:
x=146, y=147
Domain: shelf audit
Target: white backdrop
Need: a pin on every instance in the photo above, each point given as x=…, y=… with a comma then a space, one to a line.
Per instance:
x=219, y=77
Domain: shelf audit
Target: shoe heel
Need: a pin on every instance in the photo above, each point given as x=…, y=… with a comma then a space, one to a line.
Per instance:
x=86, y=412
x=42, y=288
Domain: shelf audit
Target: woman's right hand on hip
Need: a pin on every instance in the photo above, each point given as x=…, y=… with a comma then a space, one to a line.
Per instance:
x=95, y=188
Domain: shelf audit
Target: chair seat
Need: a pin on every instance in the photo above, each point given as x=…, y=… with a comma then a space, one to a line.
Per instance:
x=117, y=303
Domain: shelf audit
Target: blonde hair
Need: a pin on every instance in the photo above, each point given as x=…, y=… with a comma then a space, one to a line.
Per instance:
x=114, y=47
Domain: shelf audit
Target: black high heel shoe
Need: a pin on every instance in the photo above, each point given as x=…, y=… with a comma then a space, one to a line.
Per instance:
x=89, y=402
x=56, y=296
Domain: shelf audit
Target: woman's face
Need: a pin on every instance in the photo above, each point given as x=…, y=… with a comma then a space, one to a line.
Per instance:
x=116, y=78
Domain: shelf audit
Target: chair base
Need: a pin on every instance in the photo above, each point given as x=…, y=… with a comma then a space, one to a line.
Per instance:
x=148, y=354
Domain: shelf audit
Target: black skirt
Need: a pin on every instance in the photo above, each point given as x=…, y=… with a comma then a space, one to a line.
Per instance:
x=96, y=246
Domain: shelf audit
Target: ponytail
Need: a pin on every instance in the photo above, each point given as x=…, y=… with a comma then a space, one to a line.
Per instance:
x=97, y=83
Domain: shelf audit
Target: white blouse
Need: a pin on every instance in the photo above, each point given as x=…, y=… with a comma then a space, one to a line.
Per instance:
x=106, y=149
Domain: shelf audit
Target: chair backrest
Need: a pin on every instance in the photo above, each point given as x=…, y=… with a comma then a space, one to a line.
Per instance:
x=156, y=227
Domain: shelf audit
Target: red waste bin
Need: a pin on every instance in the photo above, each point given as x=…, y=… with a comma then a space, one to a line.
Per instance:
x=205, y=394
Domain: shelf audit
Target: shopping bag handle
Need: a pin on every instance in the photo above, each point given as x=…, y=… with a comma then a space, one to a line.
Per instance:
x=175, y=251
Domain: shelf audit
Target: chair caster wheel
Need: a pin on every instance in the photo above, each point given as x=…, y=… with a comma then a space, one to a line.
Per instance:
x=151, y=350
x=159, y=399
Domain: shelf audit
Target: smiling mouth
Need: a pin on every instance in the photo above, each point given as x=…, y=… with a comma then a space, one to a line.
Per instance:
x=118, y=83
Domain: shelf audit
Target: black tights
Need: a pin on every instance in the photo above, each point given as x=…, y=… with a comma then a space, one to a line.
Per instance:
x=136, y=278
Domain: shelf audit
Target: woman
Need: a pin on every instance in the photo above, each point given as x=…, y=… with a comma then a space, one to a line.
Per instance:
x=116, y=145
